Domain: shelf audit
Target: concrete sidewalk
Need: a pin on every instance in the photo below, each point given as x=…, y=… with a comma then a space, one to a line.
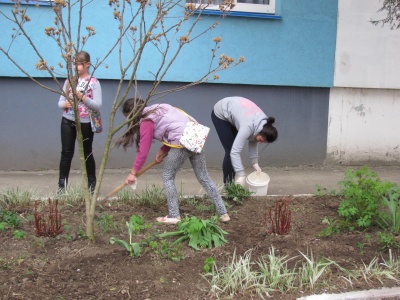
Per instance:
x=284, y=180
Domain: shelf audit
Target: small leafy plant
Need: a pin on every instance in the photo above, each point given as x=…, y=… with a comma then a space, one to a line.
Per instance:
x=167, y=250
x=9, y=219
x=200, y=233
x=388, y=241
x=236, y=193
x=19, y=234
x=362, y=191
x=106, y=223
x=132, y=247
x=82, y=235
x=209, y=264
x=334, y=227
x=138, y=223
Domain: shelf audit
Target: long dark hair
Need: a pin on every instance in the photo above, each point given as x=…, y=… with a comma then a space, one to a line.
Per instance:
x=132, y=107
x=269, y=132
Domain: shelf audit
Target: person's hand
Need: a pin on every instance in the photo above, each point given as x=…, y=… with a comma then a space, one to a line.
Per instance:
x=131, y=179
x=257, y=168
x=81, y=96
x=241, y=180
x=67, y=104
x=158, y=156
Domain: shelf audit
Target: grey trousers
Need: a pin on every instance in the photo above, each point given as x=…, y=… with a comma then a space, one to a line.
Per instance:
x=173, y=162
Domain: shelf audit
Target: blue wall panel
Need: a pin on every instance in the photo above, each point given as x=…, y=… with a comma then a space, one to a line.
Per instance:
x=30, y=123
x=297, y=50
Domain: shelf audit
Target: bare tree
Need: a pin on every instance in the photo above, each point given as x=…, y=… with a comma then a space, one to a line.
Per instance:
x=165, y=25
x=392, y=9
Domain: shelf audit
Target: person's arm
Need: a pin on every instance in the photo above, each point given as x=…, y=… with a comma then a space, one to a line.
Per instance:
x=160, y=152
x=253, y=152
x=63, y=103
x=146, y=138
x=95, y=102
x=237, y=147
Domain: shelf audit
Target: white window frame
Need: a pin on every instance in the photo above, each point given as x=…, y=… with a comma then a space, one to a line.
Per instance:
x=31, y=2
x=247, y=7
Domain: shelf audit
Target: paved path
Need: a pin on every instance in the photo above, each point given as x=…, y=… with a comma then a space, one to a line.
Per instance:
x=284, y=181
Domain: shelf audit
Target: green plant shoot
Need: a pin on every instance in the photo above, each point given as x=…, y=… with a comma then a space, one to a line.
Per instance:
x=132, y=248
x=392, y=218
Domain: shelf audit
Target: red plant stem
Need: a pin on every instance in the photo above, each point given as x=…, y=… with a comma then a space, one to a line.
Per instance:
x=280, y=220
x=53, y=226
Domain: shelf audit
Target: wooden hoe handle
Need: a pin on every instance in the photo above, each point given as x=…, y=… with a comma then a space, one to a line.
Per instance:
x=121, y=186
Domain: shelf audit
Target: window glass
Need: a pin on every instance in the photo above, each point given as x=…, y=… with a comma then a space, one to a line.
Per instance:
x=255, y=6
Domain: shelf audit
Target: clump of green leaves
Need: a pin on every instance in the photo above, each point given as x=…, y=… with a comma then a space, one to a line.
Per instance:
x=201, y=204
x=167, y=250
x=9, y=219
x=334, y=227
x=362, y=192
x=82, y=235
x=19, y=234
x=388, y=241
x=236, y=193
x=106, y=223
x=209, y=264
x=200, y=233
x=138, y=223
x=132, y=247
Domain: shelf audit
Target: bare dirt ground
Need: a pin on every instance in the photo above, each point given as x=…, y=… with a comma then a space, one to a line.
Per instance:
x=69, y=267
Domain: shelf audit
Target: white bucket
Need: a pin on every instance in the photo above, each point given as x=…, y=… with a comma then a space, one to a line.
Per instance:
x=258, y=183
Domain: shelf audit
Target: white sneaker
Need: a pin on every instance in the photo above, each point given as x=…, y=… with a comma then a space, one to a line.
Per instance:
x=225, y=218
x=168, y=220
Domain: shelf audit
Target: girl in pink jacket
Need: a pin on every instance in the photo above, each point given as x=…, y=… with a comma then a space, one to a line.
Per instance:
x=166, y=123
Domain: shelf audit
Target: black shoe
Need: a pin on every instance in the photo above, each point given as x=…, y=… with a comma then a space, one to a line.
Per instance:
x=62, y=184
x=91, y=183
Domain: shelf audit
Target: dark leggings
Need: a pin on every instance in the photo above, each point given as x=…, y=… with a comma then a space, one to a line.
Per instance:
x=227, y=134
x=68, y=137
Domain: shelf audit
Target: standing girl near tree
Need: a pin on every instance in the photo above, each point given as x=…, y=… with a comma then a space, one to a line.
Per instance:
x=238, y=121
x=166, y=123
x=90, y=97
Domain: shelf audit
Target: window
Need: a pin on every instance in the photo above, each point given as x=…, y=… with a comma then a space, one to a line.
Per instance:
x=29, y=2
x=244, y=6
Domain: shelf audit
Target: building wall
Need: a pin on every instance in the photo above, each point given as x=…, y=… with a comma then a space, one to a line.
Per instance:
x=291, y=64
x=296, y=50
x=30, y=123
x=364, y=105
x=364, y=126
x=367, y=56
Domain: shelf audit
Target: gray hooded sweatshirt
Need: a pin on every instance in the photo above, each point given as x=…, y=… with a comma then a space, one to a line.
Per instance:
x=249, y=120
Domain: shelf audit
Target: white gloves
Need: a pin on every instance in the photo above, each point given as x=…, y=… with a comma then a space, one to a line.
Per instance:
x=257, y=168
x=241, y=180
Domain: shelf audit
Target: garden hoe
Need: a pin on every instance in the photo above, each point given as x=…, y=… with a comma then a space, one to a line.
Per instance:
x=121, y=186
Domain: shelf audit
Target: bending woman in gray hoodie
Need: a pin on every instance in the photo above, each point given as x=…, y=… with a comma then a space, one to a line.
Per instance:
x=238, y=121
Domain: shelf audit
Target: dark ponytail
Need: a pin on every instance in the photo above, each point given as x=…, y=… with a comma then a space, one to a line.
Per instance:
x=132, y=107
x=269, y=132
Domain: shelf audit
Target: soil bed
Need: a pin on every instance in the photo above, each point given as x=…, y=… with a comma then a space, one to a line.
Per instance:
x=69, y=267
